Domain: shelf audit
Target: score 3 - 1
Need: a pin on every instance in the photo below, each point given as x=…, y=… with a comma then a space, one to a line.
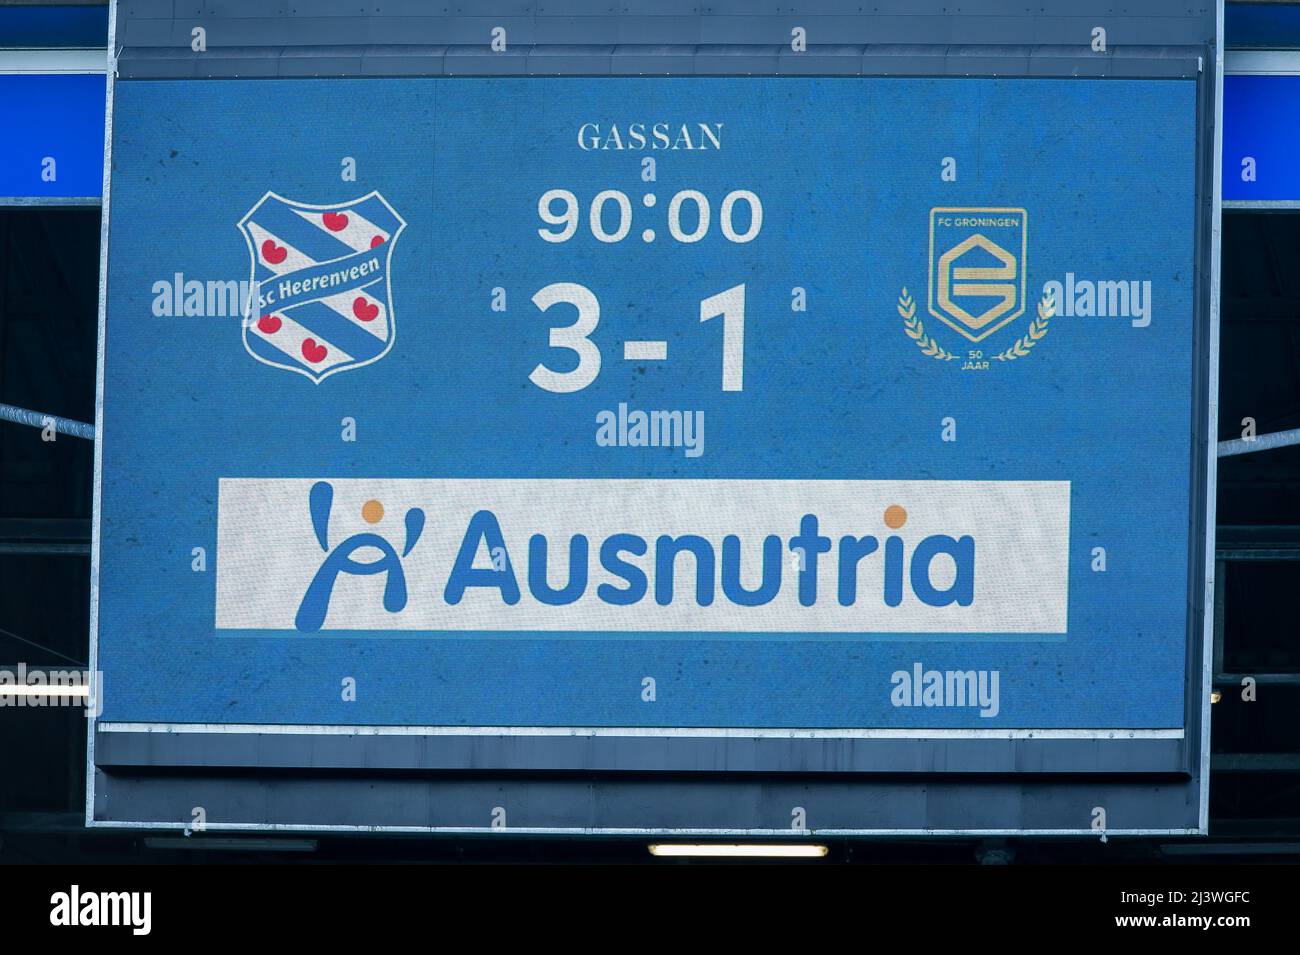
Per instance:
x=576, y=337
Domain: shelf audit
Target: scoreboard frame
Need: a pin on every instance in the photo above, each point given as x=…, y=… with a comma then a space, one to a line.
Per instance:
x=703, y=782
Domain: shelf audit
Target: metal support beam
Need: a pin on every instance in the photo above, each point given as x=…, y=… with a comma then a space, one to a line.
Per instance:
x=45, y=62
x=1262, y=442
x=45, y=536
x=1273, y=679
x=1255, y=762
x=1257, y=542
x=37, y=419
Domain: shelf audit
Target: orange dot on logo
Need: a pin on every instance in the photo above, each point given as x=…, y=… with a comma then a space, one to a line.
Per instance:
x=372, y=512
x=895, y=517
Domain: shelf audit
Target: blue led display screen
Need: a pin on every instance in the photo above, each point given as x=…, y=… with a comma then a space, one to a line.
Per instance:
x=688, y=403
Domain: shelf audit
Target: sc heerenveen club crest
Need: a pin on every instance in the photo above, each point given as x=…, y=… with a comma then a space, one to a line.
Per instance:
x=322, y=300
x=976, y=287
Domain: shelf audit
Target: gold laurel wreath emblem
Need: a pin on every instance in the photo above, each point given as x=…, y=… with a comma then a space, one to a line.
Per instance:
x=916, y=330
x=1037, y=329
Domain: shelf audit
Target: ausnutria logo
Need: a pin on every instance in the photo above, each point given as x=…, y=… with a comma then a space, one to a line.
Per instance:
x=643, y=555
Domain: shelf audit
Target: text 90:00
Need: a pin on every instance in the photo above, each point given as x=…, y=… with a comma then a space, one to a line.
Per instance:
x=567, y=219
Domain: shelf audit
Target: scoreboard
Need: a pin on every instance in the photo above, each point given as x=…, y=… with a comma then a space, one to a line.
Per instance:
x=822, y=410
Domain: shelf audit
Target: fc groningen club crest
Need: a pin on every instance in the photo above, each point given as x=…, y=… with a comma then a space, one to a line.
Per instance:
x=976, y=287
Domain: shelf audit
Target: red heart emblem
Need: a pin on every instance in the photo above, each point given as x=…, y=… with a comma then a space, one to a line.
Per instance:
x=335, y=221
x=313, y=352
x=377, y=240
x=364, y=310
x=274, y=254
x=269, y=324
